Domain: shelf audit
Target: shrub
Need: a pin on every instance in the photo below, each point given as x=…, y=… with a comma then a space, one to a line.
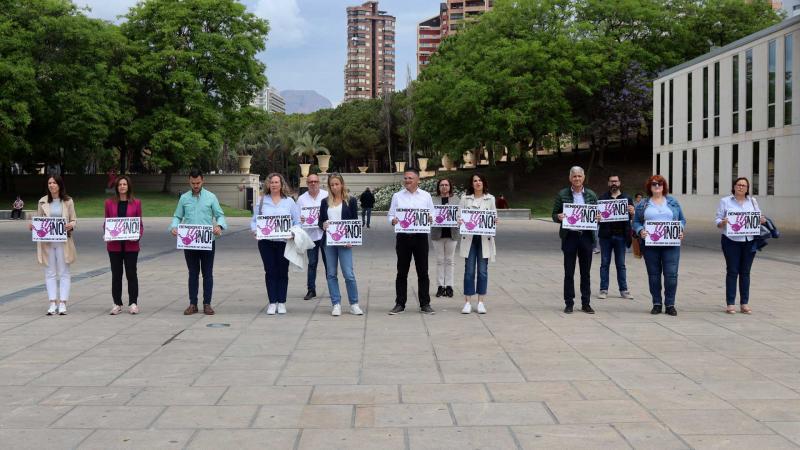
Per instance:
x=383, y=194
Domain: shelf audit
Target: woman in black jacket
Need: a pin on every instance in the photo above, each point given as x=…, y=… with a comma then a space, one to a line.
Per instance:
x=339, y=205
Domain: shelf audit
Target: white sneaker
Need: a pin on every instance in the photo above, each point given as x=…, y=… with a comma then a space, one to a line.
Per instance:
x=356, y=310
x=116, y=310
x=337, y=310
x=602, y=295
x=281, y=308
x=481, y=308
x=626, y=295
x=467, y=308
x=271, y=309
x=52, y=309
x=62, y=309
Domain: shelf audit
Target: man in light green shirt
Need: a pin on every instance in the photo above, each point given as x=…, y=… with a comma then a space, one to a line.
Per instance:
x=199, y=207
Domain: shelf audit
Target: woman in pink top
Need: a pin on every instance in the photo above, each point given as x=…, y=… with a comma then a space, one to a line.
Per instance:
x=124, y=254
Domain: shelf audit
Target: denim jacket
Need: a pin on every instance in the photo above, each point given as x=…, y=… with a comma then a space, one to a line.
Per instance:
x=638, y=216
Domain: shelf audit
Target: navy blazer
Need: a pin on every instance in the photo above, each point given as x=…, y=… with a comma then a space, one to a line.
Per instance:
x=349, y=210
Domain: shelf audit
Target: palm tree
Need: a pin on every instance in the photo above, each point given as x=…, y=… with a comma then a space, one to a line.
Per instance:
x=308, y=146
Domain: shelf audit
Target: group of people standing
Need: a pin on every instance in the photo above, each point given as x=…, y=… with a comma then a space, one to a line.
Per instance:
x=661, y=262
x=199, y=206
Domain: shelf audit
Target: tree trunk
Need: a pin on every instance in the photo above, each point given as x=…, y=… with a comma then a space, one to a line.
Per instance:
x=167, y=181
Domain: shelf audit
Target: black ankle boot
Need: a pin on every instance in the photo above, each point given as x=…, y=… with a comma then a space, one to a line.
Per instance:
x=440, y=291
x=448, y=291
x=656, y=309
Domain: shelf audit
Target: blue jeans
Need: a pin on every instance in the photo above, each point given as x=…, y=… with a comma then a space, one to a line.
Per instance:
x=276, y=269
x=366, y=214
x=344, y=257
x=738, y=259
x=200, y=261
x=617, y=245
x=313, y=260
x=474, y=261
x=662, y=260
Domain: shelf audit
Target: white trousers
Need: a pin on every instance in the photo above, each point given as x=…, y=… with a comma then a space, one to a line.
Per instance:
x=56, y=274
x=445, y=250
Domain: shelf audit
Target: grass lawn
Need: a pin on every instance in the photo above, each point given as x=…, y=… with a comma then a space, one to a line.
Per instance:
x=540, y=207
x=154, y=204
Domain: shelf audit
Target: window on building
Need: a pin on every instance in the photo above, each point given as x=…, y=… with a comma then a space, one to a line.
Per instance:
x=705, y=102
x=694, y=171
x=771, y=167
x=716, y=170
x=658, y=163
x=669, y=169
x=670, y=111
x=735, y=92
x=788, y=48
x=662, y=113
x=771, y=50
x=716, y=98
x=734, y=162
x=689, y=107
x=748, y=90
x=756, y=162
x=684, y=173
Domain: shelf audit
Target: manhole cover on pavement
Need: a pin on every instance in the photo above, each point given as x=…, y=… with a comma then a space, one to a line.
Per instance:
x=218, y=325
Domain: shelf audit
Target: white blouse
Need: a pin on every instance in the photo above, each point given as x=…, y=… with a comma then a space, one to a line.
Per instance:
x=335, y=212
x=729, y=203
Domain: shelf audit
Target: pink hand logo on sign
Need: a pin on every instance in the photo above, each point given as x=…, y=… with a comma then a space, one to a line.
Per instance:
x=339, y=233
x=740, y=221
x=312, y=216
x=188, y=238
x=267, y=229
x=116, y=230
x=574, y=217
x=442, y=216
x=658, y=232
x=408, y=220
x=472, y=223
x=606, y=212
x=42, y=232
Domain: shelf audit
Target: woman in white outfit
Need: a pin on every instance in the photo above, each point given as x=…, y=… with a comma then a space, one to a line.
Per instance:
x=478, y=250
x=57, y=256
x=445, y=241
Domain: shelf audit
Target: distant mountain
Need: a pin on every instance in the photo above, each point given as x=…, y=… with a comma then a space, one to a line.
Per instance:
x=304, y=101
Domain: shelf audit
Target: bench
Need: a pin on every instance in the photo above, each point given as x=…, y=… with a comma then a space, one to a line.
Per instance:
x=5, y=214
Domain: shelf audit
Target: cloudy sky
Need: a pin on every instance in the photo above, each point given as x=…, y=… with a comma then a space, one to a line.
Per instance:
x=307, y=43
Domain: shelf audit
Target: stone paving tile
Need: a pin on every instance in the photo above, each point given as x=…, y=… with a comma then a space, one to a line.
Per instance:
x=304, y=416
x=356, y=394
x=738, y=442
x=482, y=414
x=236, y=378
x=789, y=430
x=444, y=393
x=678, y=399
x=478, y=371
x=41, y=438
x=775, y=410
x=569, y=437
x=649, y=436
x=29, y=395
x=353, y=439
x=243, y=439
x=206, y=417
x=266, y=395
x=750, y=390
x=122, y=417
x=726, y=421
x=599, y=390
x=458, y=438
x=381, y=416
x=142, y=439
x=598, y=411
x=166, y=396
x=533, y=392
x=90, y=396
x=30, y=416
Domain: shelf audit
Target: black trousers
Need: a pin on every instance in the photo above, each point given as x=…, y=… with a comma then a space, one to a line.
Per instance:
x=410, y=245
x=577, y=245
x=16, y=214
x=200, y=261
x=128, y=261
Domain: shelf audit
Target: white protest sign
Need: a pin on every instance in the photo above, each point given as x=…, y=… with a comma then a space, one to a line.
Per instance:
x=445, y=216
x=663, y=233
x=49, y=229
x=615, y=210
x=195, y=237
x=580, y=217
x=478, y=221
x=413, y=220
x=122, y=229
x=310, y=216
x=277, y=227
x=344, y=232
x=743, y=223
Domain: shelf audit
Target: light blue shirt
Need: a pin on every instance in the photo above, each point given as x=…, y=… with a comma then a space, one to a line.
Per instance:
x=56, y=209
x=658, y=212
x=285, y=206
x=200, y=209
x=577, y=197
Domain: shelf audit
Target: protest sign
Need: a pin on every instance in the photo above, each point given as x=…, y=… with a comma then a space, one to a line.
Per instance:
x=580, y=217
x=276, y=227
x=445, y=216
x=344, y=232
x=49, y=229
x=413, y=220
x=615, y=210
x=195, y=237
x=122, y=229
x=478, y=221
x=663, y=233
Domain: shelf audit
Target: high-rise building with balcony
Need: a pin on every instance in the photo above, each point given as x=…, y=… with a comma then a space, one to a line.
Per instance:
x=370, y=68
x=269, y=99
x=452, y=14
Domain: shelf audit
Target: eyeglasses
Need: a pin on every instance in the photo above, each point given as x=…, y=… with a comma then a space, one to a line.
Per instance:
x=313, y=182
x=741, y=185
x=656, y=184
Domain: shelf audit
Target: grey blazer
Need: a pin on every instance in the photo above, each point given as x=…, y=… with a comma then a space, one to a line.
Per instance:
x=436, y=233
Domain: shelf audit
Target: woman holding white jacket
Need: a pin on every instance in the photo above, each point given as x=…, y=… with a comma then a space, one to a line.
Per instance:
x=478, y=250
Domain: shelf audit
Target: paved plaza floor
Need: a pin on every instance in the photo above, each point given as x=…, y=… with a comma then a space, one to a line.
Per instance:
x=525, y=375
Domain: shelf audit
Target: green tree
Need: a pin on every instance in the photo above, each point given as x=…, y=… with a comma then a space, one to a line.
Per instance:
x=308, y=146
x=194, y=66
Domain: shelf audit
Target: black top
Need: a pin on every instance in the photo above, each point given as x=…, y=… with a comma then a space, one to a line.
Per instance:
x=447, y=233
x=367, y=199
x=349, y=210
x=122, y=208
x=623, y=228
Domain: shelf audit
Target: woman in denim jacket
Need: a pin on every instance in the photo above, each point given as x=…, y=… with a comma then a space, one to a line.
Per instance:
x=660, y=260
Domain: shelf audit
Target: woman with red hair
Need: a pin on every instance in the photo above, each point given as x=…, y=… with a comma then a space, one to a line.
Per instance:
x=659, y=205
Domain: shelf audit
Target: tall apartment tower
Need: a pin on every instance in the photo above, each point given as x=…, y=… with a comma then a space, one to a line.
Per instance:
x=451, y=13
x=370, y=68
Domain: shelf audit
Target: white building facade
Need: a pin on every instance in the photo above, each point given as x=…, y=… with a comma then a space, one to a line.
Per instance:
x=733, y=112
x=269, y=99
